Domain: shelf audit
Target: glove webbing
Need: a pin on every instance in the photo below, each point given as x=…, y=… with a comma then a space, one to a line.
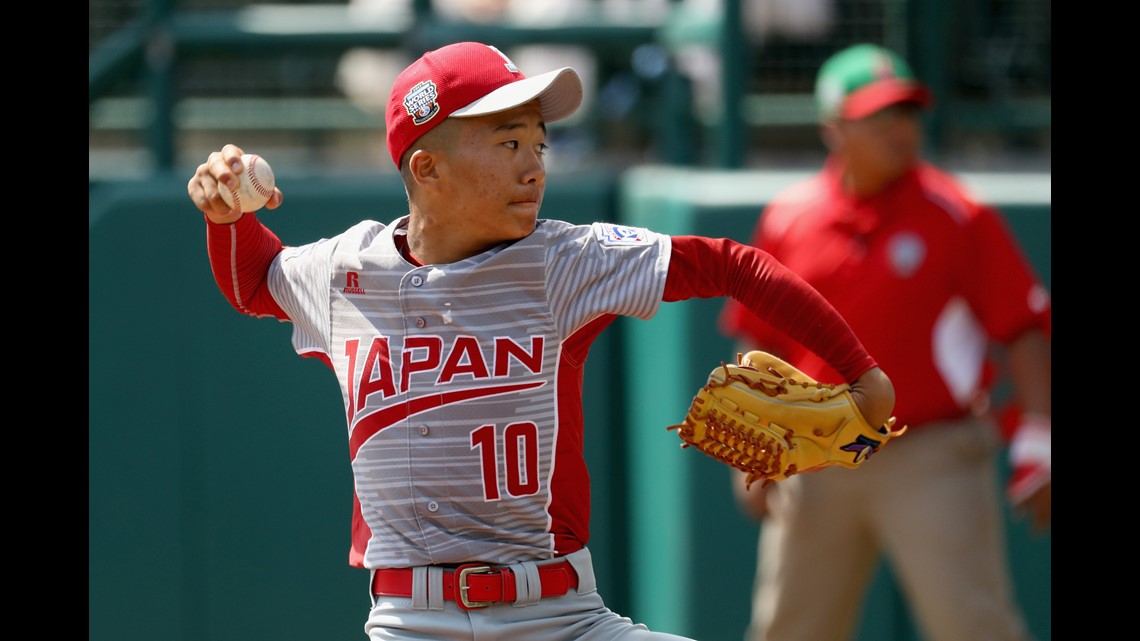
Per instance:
x=750, y=449
x=754, y=452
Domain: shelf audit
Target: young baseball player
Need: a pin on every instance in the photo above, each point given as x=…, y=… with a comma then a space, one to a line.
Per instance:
x=458, y=333
x=930, y=279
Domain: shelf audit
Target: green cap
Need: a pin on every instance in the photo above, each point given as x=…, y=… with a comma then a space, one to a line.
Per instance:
x=863, y=79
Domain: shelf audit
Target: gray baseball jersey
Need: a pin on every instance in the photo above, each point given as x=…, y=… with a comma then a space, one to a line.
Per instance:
x=462, y=383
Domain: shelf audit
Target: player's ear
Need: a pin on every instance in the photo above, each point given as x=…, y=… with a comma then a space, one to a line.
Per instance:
x=422, y=166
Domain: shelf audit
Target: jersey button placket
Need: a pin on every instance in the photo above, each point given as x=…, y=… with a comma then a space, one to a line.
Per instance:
x=418, y=281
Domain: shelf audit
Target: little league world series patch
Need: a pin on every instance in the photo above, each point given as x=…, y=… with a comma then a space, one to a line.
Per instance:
x=610, y=234
x=422, y=102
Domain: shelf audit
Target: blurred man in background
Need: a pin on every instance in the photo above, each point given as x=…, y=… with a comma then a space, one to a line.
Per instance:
x=937, y=288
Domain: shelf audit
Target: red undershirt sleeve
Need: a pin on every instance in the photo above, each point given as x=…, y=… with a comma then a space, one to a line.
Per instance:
x=240, y=255
x=706, y=267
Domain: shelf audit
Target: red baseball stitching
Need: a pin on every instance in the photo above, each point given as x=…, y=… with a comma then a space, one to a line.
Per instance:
x=236, y=197
x=253, y=177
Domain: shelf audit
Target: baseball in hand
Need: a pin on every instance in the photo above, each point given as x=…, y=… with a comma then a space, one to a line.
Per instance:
x=256, y=187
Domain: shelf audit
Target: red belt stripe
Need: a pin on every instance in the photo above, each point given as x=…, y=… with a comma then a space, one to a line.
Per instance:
x=495, y=585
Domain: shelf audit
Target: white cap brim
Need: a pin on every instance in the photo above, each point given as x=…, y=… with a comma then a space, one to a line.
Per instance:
x=559, y=92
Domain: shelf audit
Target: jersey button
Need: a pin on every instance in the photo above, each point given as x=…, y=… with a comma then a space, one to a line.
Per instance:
x=420, y=322
x=423, y=430
x=417, y=280
x=433, y=506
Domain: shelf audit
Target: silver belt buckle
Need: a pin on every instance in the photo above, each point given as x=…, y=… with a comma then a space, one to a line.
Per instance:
x=464, y=572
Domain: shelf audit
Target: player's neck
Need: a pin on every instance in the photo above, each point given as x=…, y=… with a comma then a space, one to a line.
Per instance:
x=401, y=240
x=433, y=242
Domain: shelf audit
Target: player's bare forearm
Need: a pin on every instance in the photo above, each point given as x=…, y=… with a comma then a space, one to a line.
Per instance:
x=1039, y=507
x=1030, y=370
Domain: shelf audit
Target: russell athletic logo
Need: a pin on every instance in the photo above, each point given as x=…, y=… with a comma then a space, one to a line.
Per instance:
x=352, y=283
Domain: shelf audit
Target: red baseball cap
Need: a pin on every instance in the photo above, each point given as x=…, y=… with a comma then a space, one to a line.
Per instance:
x=470, y=79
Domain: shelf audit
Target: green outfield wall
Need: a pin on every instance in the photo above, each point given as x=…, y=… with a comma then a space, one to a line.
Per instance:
x=220, y=490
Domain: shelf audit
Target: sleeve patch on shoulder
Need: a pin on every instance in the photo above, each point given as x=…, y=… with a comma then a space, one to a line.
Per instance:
x=611, y=234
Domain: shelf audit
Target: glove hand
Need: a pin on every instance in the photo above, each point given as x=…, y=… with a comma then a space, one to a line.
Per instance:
x=1030, y=456
x=771, y=421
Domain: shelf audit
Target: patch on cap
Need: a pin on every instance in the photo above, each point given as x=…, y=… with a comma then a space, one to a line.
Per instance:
x=422, y=102
x=882, y=66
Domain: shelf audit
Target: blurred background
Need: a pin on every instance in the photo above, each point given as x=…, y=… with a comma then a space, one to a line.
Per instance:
x=220, y=490
x=722, y=83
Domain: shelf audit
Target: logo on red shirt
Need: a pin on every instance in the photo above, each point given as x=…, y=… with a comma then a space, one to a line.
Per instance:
x=906, y=252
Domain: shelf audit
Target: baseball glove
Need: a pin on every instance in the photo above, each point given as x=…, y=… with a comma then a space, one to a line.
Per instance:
x=770, y=420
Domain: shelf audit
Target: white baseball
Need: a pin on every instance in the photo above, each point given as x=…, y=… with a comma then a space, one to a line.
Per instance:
x=256, y=186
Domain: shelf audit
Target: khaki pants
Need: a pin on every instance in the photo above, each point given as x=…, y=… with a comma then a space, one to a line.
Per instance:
x=929, y=502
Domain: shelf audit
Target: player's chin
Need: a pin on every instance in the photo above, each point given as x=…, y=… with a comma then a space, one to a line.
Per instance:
x=524, y=215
